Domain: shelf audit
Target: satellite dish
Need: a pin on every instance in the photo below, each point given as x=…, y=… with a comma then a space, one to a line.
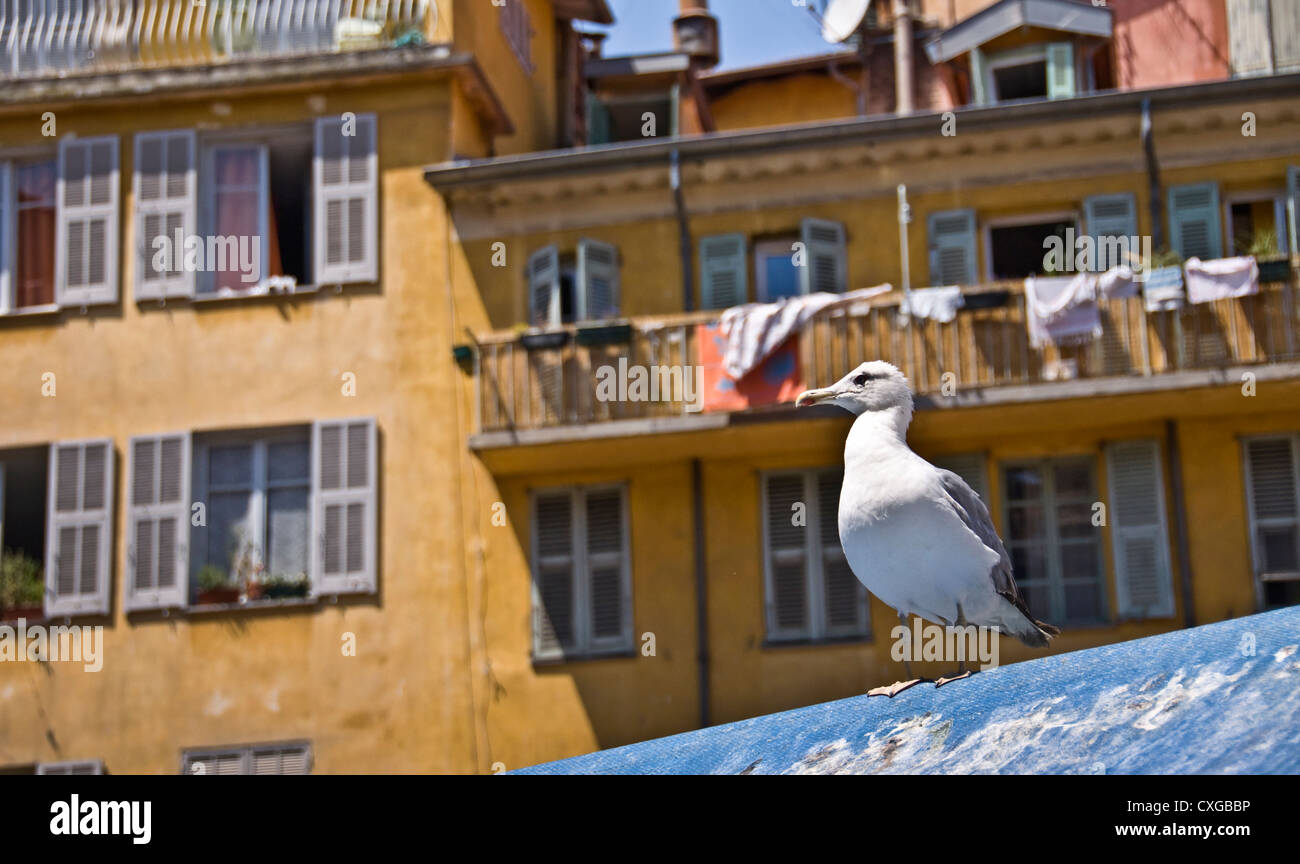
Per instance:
x=842, y=18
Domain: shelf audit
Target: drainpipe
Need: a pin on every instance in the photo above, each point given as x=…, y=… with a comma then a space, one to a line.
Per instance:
x=859, y=90
x=701, y=591
x=1180, y=522
x=683, y=230
x=1153, y=178
x=903, y=57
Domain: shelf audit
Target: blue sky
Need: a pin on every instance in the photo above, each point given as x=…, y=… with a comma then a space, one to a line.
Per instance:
x=753, y=31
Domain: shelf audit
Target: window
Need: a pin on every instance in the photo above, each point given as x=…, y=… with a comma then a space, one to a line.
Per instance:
x=775, y=273
x=582, y=581
x=1033, y=72
x=1017, y=247
x=1257, y=223
x=581, y=287
x=23, y=523
x=287, y=513
x=71, y=768
x=294, y=758
x=1272, y=491
x=782, y=268
x=1055, y=550
x=1256, y=48
x=58, y=227
x=811, y=594
x=1027, y=80
x=518, y=31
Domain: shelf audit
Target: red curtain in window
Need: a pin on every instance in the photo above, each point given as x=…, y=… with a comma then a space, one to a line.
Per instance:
x=36, y=184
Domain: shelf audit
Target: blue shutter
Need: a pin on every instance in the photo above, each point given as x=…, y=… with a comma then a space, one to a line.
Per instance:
x=1194, y=221
x=952, y=247
x=1060, y=70
x=978, y=91
x=723, y=271
x=1110, y=216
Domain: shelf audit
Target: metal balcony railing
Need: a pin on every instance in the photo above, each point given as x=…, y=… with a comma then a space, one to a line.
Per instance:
x=519, y=388
x=41, y=38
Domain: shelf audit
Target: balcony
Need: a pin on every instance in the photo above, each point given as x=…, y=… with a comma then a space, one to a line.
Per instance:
x=42, y=38
x=553, y=386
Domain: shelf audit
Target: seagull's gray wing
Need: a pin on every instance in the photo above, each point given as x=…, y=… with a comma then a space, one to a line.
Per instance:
x=972, y=511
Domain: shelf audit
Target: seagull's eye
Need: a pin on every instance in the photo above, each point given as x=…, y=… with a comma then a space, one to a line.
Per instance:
x=862, y=379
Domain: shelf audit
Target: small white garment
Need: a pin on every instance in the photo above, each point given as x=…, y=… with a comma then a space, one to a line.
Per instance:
x=1221, y=279
x=1164, y=289
x=936, y=304
x=754, y=330
x=1117, y=283
x=1062, y=309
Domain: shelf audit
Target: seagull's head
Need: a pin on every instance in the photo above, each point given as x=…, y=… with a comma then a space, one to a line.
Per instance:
x=873, y=386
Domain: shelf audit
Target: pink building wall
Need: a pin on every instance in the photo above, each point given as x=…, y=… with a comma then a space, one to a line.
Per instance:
x=1158, y=43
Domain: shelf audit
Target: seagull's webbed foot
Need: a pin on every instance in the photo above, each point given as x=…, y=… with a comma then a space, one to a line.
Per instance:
x=948, y=680
x=894, y=689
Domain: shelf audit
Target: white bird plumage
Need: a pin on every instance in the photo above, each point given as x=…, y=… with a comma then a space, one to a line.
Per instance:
x=915, y=535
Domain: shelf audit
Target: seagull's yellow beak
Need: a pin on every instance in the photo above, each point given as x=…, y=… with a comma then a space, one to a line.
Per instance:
x=813, y=397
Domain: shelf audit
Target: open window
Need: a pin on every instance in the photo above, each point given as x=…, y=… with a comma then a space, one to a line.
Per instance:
x=1257, y=223
x=582, y=286
x=23, y=516
x=1018, y=246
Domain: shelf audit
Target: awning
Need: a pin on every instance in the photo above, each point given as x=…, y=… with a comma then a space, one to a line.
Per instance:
x=1067, y=16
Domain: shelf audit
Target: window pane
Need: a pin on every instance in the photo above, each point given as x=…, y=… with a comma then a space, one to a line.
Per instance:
x=230, y=466
x=1079, y=560
x=1073, y=480
x=1082, y=602
x=782, y=276
x=1024, y=483
x=34, y=185
x=287, y=461
x=236, y=223
x=1022, y=81
x=1028, y=563
x=1025, y=523
x=1037, y=599
x=286, y=532
x=1279, y=549
x=1075, y=520
x=227, y=527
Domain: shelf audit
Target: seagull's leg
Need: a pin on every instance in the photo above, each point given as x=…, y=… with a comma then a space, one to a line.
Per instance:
x=961, y=664
x=898, y=686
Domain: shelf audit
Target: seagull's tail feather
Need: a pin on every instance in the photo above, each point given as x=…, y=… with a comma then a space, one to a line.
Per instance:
x=1036, y=634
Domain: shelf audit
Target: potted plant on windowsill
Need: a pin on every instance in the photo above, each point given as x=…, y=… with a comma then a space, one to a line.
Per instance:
x=280, y=586
x=215, y=586
x=1273, y=265
x=22, y=586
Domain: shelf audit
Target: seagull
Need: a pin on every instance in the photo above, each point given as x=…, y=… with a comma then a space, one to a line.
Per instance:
x=915, y=535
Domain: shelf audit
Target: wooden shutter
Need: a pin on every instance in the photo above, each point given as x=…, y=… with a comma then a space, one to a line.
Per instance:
x=1194, y=221
x=978, y=73
x=970, y=467
x=544, y=309
x=165, y=206
x=1060, y=70
x=1285, y=16
x=346, y=188
x=554, y=595
x=7, y=236
x=280, y=760
x=825, y=268
x=78, y=535
x=158, y=521
x=1248, y=39
x=1293, y=207
x=608, y=606
x=86, y=262
x=724, y=271
x=1271, y=490
x=73, y=769
x=844, y=598
x=787, y=558
x=598, y=286
x=1139, y=538
x=228, y=763
x=345, y=470
x=1110, y=216
x=952, y=247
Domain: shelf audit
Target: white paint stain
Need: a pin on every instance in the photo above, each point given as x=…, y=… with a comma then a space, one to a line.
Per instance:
x=217, y=705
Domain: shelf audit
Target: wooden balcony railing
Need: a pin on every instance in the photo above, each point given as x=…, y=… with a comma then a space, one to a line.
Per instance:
x=520, y=388
x=53, y=37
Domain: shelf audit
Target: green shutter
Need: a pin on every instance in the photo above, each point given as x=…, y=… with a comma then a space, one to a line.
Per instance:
x=978, y=92
x=597, y=121
x=1060, y=70
x=1110, y=216
x=826, y=267
x=952, y=247
x=723, y=271
x=1194, y=221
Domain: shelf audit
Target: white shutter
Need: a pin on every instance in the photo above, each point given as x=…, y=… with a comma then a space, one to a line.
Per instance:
x=787, y=558
x=1060, y=70
x=825, y=267
x=1293, y=207
x=1110, y=216
x=608, y=624
x=952, y=247
x=1285, y=16
x=7, y=236
x=971, y=468
x=544, y=308
x=281, y=760
x=345, y=474
x=345, y=187
x=1271, y=490
x=202, y=764
x=723, y=271
x=78, y=536
x=554, y=595
x=1194, y=221
x=598, y=280
x=157, y=525
x=1140, y=541
x=1248, y=37
x=165, y=206
x=84, y=768
x=86, y=263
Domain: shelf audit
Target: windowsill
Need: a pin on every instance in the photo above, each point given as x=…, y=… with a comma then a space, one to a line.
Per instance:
x=769, y=643
x=278, y=603
x=621, y=654
x=256, y=291
x=46, y=309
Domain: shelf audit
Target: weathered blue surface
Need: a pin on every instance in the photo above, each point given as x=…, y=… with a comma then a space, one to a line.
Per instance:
x=1223, y=698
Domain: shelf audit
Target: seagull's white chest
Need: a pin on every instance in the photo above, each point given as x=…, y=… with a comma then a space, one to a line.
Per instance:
x=901, y=540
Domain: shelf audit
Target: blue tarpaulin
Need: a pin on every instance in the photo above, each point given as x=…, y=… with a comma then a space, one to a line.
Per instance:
x=1222, y=698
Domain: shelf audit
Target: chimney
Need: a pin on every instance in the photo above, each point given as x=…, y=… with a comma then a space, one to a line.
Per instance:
x=904, y=89
x=695, y=32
